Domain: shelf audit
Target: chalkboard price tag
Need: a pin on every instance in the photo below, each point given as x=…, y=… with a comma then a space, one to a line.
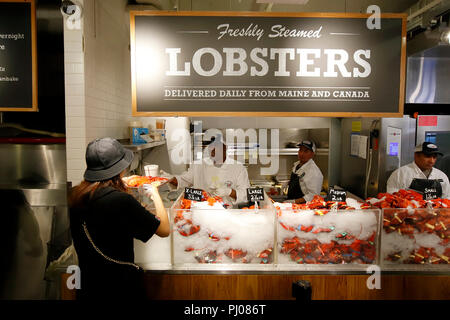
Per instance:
x=255, y=194
x=430, y=194
x=193, y=194
x=337, y=195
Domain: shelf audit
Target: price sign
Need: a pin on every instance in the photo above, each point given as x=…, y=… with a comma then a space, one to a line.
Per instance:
x=430, y=188
x=430, y=194
x=255, y=194
x=337, y=195
x=271, y=64
x=193, y=194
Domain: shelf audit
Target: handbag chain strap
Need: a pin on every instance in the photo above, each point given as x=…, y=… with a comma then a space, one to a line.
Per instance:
x=86, y=232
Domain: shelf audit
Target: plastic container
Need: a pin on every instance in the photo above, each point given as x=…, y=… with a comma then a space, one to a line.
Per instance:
x=131, y=126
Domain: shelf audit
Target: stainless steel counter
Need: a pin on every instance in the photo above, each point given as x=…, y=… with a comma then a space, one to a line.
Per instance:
x=288, y=270
x=41, y=194
x=33, y=192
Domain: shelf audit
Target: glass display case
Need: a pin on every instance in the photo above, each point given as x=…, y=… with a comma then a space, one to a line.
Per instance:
x=207, y=234
x=327, y=237
x=416, y=239
x=280, y=237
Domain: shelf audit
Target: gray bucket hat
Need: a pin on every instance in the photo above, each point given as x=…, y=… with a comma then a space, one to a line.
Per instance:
x=105, y=159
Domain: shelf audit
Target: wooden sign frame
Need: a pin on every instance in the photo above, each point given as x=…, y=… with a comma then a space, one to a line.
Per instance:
x=402, y=16
x=34, y=107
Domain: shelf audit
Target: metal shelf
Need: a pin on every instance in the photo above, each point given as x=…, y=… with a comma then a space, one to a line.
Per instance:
x=140, y=147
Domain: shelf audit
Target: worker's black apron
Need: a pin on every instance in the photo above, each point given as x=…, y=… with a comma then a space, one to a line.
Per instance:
x=294, y=190
x=430, y=188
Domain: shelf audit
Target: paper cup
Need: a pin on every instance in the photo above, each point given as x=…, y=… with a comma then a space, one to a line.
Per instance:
x=151, y=170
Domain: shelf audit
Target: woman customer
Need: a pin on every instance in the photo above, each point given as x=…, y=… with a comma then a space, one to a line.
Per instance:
x=104, y=221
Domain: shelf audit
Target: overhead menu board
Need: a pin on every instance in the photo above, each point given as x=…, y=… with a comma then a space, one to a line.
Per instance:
x=18, y=61
x=267, y=64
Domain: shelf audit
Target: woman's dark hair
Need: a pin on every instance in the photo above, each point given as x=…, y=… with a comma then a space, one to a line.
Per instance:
x=82, y=193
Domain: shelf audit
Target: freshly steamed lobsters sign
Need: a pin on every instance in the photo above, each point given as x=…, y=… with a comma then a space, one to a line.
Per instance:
x=267, y=64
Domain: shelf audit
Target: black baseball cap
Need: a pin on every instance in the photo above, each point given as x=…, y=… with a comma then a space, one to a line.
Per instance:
x=427, y=148
x=105, y=159
x=308, y=144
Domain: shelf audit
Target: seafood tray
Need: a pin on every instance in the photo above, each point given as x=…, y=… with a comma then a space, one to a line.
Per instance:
x=138, y=188
x=416, y=237
x=321, y=232
x=137, y=181
x=205, y=233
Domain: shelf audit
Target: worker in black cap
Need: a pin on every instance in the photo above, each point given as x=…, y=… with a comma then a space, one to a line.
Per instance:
x=420, y=174
x=306, y=178
x=217, y=174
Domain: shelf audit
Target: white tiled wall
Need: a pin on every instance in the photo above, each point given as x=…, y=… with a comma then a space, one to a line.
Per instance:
x=97, y=80
x=108, y=70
